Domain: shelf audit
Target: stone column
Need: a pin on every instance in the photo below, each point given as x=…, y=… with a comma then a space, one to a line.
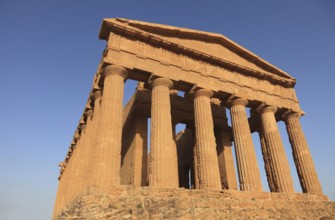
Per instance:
x=248, y=172
x=195, y=167
x=206, y=156
x=163, y=164
x=266, y=158
x=110, y=128
x=76, y=179
x=86, y=157
x=302, y=157
x=141, y=151
x=225, y=158
x=194, y=174
x=185, y=144
x=279, y=164
x=96, y=119
x=134, y=151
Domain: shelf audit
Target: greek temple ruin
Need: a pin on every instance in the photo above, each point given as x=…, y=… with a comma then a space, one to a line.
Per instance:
x=215, y=76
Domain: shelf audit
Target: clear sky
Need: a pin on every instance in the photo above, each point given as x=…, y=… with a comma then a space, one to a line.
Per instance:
x=49, y=51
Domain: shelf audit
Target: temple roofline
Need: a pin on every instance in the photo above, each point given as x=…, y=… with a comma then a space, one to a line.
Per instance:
x=110, y=24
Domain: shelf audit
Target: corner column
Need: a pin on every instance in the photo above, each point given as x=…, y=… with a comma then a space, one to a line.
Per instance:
x=86, y=172
x=108, y=159
x=280, y=168
x=206, y=157
x=248, y=172
x=308, y=177
x=163, y=164
x=94, y=150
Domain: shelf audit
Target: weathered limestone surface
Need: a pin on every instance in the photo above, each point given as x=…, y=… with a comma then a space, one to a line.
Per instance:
x=195, y=162
x=70, y=186
x=280, y=169
x=109, y=148
x=134, y=152
x=64, y=194
x=108, y=161
x=267, y=162
x=225, y=158
x=198, y=63
x=96, y=97
x=247, y=166
x=302, y=157
x=206, y=163
x=185, y=144
x=82, y=176
x=157, y=203
x=163, y=167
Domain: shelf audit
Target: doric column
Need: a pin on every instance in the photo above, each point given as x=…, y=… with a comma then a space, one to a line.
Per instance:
x=266, y=158
x=163, y=164
x=86, y=156
x=206, y=156
x=140, y=157
x=110, y=128
x=94, y=150
x=225, y=158
x=302, y=157
x=248, y=172
x=185, y=144
x=278, y=161
x=194, y=174
x=134, y=168
x=76, y=177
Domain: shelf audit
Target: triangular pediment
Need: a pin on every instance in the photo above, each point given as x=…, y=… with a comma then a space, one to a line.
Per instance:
x=208, y=45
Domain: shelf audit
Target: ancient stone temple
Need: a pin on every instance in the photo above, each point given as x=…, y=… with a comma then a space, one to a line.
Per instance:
x=110, y=172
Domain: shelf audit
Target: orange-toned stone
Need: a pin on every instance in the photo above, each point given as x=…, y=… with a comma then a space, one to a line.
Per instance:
x=108, y=162
x=163, y=166
x=101, y=168
x=247, y=166
x=206, y=155
x=225, y=158
x=308, y=177
x=280, y=169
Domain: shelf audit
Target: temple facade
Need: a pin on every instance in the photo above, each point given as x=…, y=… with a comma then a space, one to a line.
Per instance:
x=217, y=77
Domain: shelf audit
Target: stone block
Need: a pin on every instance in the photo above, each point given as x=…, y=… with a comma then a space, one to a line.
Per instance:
x=261, y=214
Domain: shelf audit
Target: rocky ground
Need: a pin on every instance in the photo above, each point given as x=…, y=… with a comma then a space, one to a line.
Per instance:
x=149, y=203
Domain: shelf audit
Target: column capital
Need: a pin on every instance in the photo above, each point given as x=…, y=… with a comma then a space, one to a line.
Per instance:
x=290, y=114
x=161, y=82
x=96, y=95
x=265, y=108
x=115, y=70
x=76, y=137
x=237, y=101
x=88, y=113
x=82, y=127
x=88, y=104
x=203, y=92
x=82, y=120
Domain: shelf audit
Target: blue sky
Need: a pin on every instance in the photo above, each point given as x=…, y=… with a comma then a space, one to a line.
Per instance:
x=49, y=51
